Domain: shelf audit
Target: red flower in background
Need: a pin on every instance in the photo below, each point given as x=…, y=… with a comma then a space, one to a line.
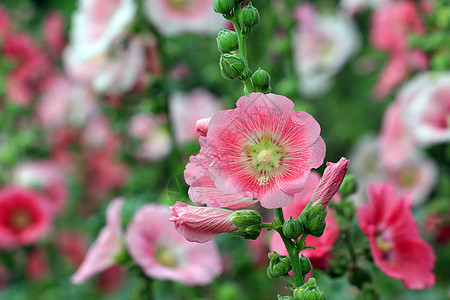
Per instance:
x=395, y=242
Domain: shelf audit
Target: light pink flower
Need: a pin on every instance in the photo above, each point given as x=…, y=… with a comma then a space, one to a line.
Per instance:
x=177, y=17
x=186, y=109
x=103, y=252
x=53, y=32
x=47, y=177
x=201, y=224
x=5, y=22
x=154, y=135
x=323, y=44
x=323, y=244
x=263, y=149
x=164, y=254
x=395, y=242
x=330, y=182
x=24, y=217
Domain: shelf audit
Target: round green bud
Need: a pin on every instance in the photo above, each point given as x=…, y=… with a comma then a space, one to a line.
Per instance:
x=305, y=265
x=313, y=219
x=223, y=6
x=292, y=228
x=249, y=16
x=261, y=81
x=232, y=66
x=279, y=265
x=349, y=185
x=227, y=41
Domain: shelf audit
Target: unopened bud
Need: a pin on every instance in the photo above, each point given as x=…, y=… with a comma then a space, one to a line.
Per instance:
x=285, y=298
x=279, y=265
x=231, y=66
x=305, y=265
x=348, y=186
x=227, y=41
x=223, y=6
x=249, y=222
x=248, y=17
x=309, y=291
x=261, y=81
x=313, y=219
x=292, y=228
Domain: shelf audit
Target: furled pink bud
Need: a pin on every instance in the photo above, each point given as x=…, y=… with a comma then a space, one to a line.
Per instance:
x=330, y=182
x=202, y=126
x=201, y=224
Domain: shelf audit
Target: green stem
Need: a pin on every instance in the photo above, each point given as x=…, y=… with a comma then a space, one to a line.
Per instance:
x=292, y=252
x=267, y=225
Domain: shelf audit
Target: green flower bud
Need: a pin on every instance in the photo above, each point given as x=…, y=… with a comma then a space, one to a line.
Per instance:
x=261, y=81
x=349, y=185
x=292, y=228
x=223, y=6
x=285, y=298
x=279, y=265
x=309, y=291
x=227, y=41
x=231, y=66
x=313, y=219
x=250, y=223
x=249, y=17
x=305, y=265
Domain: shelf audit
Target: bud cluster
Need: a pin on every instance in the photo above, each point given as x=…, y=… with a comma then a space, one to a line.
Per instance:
x=309, y=291
x=279, y=265
x=249, y=223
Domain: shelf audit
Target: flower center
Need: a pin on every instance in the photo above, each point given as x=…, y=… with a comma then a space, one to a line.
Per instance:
x=179, y=4
x=265, y=156
x=20, y=219
x=166, y=258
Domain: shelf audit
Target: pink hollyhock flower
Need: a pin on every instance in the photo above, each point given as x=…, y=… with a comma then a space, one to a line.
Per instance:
x=5, y=22
x=201, y=126
x=427, y=114
x=109, y=244
x=154, y=135
x=395, y=242
x=201, y=224
x=323, y=44
x=323, y=244
x=182, y=16
x=53, y=31
x=72, y=246
x=47, y=177
x=185, y=110
x=330, y=182
x=25, y=217
x=163, y=254
x=263, y=149
x=37, y=265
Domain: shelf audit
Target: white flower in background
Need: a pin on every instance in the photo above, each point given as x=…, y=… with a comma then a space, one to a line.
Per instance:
x=174, y=17
x=323, y=44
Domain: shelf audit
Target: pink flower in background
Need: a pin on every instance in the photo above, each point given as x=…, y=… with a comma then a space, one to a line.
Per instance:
x=111, y=279
x=323, y=244
x=25, y=217
x=330, y=182
x=109, y=244
x=263, y=149
x=154, y=135
x=47, y=177
x=391, y=24
x=395, y=242
x=54, y=35
x=323, y=44
x=183, y=16
x=5, y=22
x=37, y=265
x=72, y=246
x=164, y=254
x=201, y=224
x=186, y=109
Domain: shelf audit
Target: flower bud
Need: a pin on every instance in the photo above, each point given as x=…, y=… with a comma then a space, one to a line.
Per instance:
x=309, y=291
x=231, y=66
x=249, y=222
x=261, y=81
x=313, y=219
x=227, y=41
x=249, y=17
x=201, y=126
x=305, y=265
x=279, y=265
x=285, y=298
x=348, y=186
x=223, y=6
x=292, y=228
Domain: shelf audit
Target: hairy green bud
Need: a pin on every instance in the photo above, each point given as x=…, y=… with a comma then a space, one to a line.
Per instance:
x=292, y=228
x=223, y=6
x=309, y=291
x=248, y=17
x=349, y=185
x=232, y=66
x=227, y=41
x=305, y=265
x=279, y=265
x=313, y=219
x=261, y=81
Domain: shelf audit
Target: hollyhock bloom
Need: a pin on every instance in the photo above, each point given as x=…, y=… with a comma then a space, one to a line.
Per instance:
x=72, y=245
x=185, y=110
x=427, y=114
x=5, y=22
x=323, y=244
x=25, y=217
x=96, y=25
x=395, y=242
x=53, y=32
x=109, y=244
x=182, y=16
x=45, y=176
x=201, y=224
x=37, y=265
x=323, y=44
x=163, y=254
x=263, y=149
x=154, y=135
